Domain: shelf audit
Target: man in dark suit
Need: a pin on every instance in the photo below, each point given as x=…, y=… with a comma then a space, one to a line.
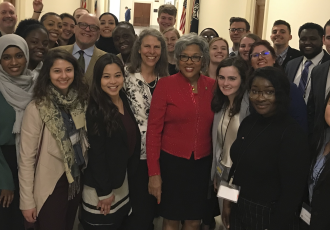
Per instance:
x=310, y=44
x=281, y=35
x=320, y=86
x=127, y=14
x=8, y=18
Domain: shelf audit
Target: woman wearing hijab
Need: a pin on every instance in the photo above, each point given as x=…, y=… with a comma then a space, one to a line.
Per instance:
x=108, y=22
x=16, y=86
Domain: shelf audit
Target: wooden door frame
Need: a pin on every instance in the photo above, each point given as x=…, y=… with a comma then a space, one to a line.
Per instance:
x=151, y=10
x=250, y=13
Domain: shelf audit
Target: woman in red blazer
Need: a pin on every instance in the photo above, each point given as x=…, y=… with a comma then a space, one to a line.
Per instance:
x=179, y=143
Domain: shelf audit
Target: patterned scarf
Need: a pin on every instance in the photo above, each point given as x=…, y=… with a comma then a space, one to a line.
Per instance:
x=50, y=113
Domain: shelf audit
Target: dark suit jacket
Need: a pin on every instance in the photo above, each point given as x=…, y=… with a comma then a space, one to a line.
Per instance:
x=108, y=157
x=316, y=99
x=292, y=54
x=96, y=55
x=293, y=65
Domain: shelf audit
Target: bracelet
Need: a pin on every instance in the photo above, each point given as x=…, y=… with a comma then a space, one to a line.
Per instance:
x=37, y=12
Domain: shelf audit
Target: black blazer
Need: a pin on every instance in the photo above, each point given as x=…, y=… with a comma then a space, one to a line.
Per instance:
x=316, y=99
x=292, y=54
x=108, y=157
x=293, y=65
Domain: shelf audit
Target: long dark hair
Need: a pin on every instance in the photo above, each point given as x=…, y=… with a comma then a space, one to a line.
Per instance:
x=219, y=100
x=319, y=131
x=72, y=40
x=41, y=90
x=101, y=107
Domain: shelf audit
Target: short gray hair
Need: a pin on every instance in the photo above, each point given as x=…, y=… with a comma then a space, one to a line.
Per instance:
x=191, y=39
x=161, y=68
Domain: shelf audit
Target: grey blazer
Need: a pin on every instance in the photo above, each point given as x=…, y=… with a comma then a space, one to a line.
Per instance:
x=244, y=112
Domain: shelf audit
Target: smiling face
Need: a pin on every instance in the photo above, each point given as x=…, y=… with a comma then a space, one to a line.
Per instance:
x=218, y=51
x=261, y=60
x=37, y=42
x=280, y=35
x=124, y=39
x=62, y=75
x=67, y=28
x=229, y=81
x=208, y=35
x=150, y=50
x=171, y=39
x=86, y=38
x=263, y=106
x=13, y=61
x=8, y=17
x=107, y=25
x=236, y=36
x=244, y=47
x=165, y=21
x=310, y=43
x=112, y=80
x=191, y=69
x=53, y=25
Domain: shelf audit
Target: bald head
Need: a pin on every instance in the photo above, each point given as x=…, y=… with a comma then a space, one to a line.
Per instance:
x=8, y=17
x=87, y=31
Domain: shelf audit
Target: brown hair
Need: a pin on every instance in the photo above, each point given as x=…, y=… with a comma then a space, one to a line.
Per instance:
x=219, y=39
x=167, y=9
x=255, y=37
x=172, y=29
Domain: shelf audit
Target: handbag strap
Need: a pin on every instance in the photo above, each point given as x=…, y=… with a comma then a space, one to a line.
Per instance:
x=40, y=145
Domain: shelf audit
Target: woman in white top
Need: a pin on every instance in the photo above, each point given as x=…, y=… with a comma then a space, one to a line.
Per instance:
x=231, y=105
x=148, y=63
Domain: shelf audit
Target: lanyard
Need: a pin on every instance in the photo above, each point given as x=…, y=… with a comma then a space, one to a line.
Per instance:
x=239, y=160
x=223, y=137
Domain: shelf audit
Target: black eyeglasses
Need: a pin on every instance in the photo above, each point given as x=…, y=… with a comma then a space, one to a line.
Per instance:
x=185, y=58
x=262, y=54
x=208, y=36
x=84, y=26
x=267, y=94
x=239, y=30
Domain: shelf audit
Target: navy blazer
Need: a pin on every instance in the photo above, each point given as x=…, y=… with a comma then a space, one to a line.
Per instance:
x=291, y=54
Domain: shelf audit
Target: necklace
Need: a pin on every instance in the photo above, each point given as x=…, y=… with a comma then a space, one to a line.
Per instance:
x=151, y=87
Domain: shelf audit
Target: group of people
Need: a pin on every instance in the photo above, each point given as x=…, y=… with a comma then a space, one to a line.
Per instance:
x=127, y=128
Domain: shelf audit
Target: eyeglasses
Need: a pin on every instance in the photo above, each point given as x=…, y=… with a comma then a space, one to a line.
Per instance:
x=206, y=36
x=185, y=58
x=267, y=94
x=262, y=54
x=84, y=26
x=239, y=30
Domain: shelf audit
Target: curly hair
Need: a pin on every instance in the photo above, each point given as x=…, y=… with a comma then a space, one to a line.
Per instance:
x=219, y=100
x=41, y=90
x=26, y=26
x=100, y=106
x=161, y=68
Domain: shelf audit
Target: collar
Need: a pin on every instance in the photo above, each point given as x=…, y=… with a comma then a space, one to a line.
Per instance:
x=89, y=51
x=316, y=60
x=284, y=52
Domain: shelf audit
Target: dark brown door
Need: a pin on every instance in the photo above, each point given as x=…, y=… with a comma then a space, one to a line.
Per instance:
x=142, y=14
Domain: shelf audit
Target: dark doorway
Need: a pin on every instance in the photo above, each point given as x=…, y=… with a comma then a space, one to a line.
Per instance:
x=142, y=14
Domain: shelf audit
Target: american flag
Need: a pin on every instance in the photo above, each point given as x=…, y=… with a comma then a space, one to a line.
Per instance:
x=83, y=4
x=183, y=17
x=95, y=6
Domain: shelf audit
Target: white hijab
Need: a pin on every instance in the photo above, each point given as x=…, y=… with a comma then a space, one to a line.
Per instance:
x=17, y=91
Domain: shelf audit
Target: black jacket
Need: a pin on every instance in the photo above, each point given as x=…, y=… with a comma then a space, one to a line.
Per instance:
x=291, y=54
x=108, y=157
x=316, y=99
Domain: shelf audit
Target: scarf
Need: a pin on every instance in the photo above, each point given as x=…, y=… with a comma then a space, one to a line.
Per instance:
x=17, y=91
x=50, y=113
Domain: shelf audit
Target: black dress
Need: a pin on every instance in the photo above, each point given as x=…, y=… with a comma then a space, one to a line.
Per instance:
x=271, y=164
x=107, y=45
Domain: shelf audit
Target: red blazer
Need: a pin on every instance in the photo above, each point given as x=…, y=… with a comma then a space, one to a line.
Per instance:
x=180, y=122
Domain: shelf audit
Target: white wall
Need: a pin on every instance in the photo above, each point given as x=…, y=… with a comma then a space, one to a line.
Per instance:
x=297, y=12
x=216, y=14
x=130, y=4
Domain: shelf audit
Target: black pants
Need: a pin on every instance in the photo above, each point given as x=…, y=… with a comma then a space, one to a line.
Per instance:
x=11, y=218
x=143, y=204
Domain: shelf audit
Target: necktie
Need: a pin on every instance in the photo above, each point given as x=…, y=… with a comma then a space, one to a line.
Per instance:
x=304, y=76
x=81, y=60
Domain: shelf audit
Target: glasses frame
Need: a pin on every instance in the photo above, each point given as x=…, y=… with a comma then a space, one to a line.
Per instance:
x=191, y=58
x=82, y=24
x=262, y=54
x=266, y=96
x=238, y=30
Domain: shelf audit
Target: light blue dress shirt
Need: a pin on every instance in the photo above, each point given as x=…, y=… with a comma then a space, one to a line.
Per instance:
x=88, y=53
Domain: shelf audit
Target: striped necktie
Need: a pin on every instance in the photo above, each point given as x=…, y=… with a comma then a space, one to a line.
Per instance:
x=304, y=76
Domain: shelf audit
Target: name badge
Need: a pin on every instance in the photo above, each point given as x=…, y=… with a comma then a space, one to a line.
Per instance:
x=74, y=138
x=220, y=169
x=305, y=213
x=228, y=192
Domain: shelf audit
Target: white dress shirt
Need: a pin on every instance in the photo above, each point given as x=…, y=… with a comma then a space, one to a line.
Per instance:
x=88, y=53
x=315, y=62
x=327, y=87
